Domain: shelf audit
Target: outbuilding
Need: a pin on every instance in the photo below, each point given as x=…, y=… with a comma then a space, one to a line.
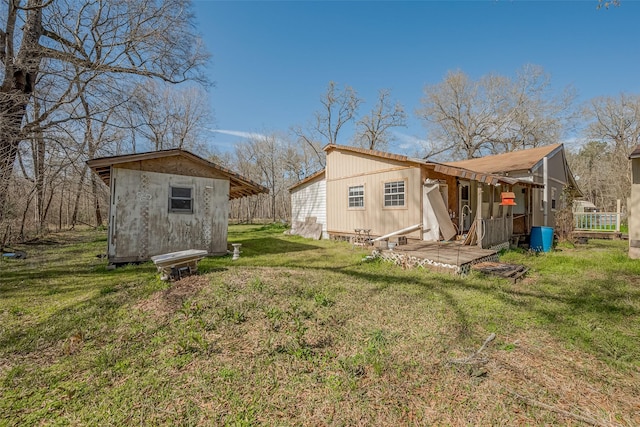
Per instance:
x=167, y=201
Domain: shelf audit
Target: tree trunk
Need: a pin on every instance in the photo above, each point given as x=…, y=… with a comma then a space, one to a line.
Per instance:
x=96, y=200
x=38, y=152
x=17, y=87
x=10, y=127
x=60, y=207
x=24, y=215
x=76, y=205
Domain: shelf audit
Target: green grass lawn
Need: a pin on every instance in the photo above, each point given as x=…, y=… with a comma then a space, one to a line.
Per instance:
x=302, y=332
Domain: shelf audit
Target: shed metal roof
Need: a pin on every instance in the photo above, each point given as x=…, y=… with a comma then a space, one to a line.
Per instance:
x=239, y=185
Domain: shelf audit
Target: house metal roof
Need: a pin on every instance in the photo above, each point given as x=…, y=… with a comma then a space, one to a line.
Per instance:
x=374, y=153
x=508, y=162
x=239, y=186
x=310, y=178
x=635, y=153
x=444, y=168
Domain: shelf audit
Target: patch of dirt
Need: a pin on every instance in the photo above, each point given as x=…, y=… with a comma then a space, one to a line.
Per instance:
x=168, y=301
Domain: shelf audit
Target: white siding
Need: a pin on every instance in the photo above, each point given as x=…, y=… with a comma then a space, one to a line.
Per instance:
x=311, y=200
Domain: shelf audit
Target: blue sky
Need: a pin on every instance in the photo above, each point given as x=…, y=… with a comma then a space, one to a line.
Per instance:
x=272, y=60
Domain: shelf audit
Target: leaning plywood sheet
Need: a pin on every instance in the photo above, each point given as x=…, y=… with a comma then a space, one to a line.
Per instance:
x=309, y=229
x=437, y=205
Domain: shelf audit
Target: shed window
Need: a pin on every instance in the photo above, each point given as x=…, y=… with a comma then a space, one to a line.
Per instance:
x=394, y=193
x=356, y=196
x=180, y=200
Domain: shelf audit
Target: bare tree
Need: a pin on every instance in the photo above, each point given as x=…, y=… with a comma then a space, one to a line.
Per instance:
x=461, y=115
x=534, y=115
x=494, y=114
x=267, y=155
x=608, y=3
x=592, y=168
x=373, y=129
x=163, y=116
x=614, y=121
x=338, y=108
x=141, y=38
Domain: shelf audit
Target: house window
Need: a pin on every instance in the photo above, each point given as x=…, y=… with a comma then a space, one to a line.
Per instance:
x=356, y=196
x=394, y=194
x=180, y=200
x=553, y=198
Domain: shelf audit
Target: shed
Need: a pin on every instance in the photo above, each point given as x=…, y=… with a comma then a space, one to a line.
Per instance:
x=167, y=201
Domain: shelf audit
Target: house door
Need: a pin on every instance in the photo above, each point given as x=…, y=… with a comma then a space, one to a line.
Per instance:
x=464, y=201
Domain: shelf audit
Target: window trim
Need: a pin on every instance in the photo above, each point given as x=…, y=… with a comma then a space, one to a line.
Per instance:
x=190, y=199
x=350, y=197
x=404, y=194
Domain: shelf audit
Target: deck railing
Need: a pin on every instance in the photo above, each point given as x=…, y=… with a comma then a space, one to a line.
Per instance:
x=495, y=231
x=597, y=221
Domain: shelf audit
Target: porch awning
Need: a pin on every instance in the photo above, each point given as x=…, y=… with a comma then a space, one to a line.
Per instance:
x=484, y=178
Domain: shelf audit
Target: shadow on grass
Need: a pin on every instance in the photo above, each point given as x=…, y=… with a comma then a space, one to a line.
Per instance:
x=25, y=280
x=272, y=245
x=564, y=312
x=610, y=302
x=78, y=314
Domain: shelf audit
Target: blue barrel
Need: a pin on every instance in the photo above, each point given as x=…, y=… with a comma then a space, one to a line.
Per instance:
x=541, y=239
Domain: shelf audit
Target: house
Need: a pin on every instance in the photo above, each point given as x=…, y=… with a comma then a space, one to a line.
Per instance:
x=546, y=165
x=634, y=205
x=167, y=201
x=382, y=193
x=309, y=200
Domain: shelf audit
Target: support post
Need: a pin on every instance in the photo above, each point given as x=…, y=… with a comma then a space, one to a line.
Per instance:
x=618, y=209
x=545, y=192
x=479, y=226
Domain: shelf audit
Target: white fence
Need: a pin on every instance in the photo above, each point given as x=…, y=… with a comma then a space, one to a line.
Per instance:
x=597, y=221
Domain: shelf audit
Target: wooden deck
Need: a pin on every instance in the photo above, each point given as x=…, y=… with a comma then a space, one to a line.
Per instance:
x=606, y=235
x=452, y=257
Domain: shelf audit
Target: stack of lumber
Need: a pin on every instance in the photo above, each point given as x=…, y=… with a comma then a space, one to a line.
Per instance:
x=472, y=236
x=508, y=271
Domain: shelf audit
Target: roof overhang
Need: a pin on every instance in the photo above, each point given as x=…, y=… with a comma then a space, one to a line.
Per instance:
x=373, y=153
x=239, y=186
x=446, y=169
x=484, y=178
x=316, y=176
